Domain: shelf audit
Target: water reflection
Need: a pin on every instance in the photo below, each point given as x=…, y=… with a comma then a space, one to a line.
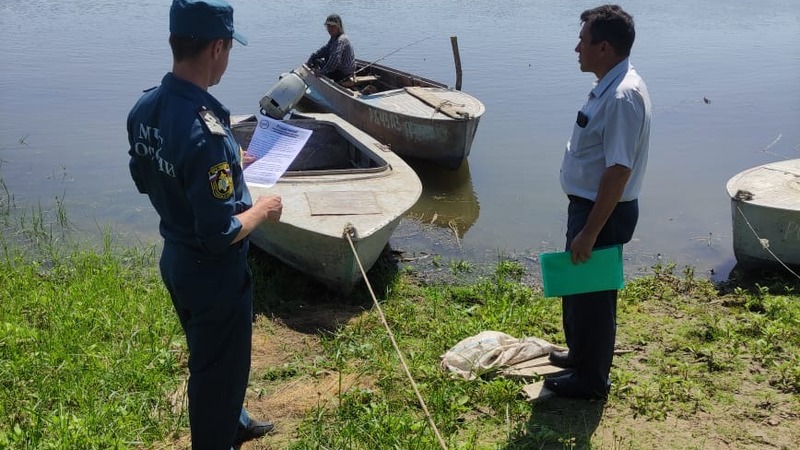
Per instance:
x=448, y=198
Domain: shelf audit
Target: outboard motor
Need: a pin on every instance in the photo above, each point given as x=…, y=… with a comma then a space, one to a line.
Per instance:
x=283, y=95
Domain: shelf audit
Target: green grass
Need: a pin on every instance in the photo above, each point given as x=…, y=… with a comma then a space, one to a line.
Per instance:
x=92, y=355
x=90, y=352
x=693, y=349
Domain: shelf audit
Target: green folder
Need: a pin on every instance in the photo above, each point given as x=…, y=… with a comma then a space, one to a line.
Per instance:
x=601, y=272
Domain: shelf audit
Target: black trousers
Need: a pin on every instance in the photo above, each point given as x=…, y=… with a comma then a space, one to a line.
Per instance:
x=338, y=75
x=590, y=320
x=213, y=297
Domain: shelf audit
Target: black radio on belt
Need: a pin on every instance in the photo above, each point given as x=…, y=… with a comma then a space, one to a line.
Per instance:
x=583, y=119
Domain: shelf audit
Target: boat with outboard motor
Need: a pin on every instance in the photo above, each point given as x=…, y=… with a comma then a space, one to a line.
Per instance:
x=417, y=117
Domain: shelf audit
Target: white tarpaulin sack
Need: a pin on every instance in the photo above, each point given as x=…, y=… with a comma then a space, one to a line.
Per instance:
x=490, y=350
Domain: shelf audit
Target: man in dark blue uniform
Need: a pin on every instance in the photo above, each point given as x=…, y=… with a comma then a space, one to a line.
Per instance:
x=185, y=158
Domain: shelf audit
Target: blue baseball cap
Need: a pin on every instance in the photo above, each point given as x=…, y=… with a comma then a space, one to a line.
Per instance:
x=203, y=19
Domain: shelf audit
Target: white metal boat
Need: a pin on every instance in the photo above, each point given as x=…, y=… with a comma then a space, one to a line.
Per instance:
x=765, y=205
x=342, y=179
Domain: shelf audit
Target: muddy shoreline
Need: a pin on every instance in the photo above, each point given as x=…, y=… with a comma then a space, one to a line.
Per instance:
x=434, y=251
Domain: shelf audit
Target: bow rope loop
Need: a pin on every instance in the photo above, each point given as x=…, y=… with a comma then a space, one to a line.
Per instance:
x=764, y=242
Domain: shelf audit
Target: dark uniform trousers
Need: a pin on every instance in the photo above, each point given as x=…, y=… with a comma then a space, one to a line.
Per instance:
x=590, y=320
x=213, y=297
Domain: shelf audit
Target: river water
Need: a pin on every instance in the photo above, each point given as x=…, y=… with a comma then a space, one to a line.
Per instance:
x=724, y=77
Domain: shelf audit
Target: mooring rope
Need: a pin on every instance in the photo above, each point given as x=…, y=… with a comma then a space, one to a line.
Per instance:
x=765, y=243
x=445, y=103
x=349, y=231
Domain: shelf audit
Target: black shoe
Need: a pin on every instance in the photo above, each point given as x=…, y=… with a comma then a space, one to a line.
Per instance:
x=255, y=429
x=561, y=359
x=570, y=386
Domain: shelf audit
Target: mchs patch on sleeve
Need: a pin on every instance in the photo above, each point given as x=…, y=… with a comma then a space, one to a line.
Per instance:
x=221, y=181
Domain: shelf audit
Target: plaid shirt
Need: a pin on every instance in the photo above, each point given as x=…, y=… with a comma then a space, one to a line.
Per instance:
x=337, y=55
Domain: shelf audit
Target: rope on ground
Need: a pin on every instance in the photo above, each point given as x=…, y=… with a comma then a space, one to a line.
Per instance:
x=765, y=243
x=349, y=231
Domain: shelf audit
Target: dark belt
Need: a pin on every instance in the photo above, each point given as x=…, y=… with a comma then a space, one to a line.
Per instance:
x=576, y=199
x=586, y=201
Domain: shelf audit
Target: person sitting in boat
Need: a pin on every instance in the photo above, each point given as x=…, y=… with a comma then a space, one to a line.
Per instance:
x=335, y=59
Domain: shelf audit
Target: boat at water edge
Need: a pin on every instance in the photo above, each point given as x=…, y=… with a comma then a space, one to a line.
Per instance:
x=342, y=181
x=765, y=208
x=417, y=117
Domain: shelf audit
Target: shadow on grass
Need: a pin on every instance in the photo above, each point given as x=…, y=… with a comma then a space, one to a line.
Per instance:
x=558, y=423
x=307, y=306
x=776, y=279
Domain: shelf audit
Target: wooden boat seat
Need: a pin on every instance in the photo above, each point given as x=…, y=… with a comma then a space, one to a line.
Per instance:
x=364, y=79
x=358, y=80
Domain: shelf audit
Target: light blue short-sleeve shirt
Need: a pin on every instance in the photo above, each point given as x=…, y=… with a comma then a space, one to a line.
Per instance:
x=616, y=130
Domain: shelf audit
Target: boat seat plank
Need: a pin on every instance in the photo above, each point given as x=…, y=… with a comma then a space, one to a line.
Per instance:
x=445, y=106
x=363, y=79
x=358, y=80
x=342, y=203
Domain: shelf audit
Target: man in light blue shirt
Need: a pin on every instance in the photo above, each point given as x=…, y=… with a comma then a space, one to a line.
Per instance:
x=601, y=174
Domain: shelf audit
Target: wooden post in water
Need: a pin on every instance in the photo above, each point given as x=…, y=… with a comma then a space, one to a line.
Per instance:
x=457, y=57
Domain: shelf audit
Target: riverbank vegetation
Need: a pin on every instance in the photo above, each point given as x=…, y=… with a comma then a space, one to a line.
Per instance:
x=92, y=356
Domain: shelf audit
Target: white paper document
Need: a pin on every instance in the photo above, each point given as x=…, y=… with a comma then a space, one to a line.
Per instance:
x=275, y=145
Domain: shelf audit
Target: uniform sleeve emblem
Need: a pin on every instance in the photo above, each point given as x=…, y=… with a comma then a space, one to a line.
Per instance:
x=219, y=176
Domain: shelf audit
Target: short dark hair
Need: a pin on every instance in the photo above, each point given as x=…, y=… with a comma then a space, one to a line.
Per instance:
x=612, y=24
x=187, y=47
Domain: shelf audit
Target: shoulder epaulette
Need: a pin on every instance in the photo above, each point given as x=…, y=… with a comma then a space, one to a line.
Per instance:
x=211, y=122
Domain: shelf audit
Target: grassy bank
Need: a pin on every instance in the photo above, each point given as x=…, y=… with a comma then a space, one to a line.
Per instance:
x=90, y=352
x=92, y=357
x=704, y=367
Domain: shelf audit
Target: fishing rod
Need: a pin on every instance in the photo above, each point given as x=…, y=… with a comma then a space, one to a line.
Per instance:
x=392, y=53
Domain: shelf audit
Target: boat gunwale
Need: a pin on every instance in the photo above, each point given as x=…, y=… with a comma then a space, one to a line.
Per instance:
x=313, y=79
x=361, y=64
x=346, y=95
x=383, y=169
x=732, y=186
